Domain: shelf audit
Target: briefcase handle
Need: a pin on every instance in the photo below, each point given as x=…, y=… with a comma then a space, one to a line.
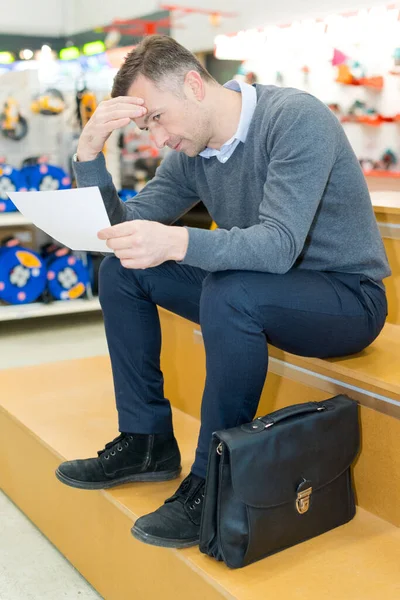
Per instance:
x=282, y=414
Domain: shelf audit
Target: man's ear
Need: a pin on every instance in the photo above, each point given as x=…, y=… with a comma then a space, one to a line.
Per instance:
x=194, y=86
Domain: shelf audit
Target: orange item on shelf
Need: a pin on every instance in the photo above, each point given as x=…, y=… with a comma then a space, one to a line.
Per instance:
x=344, y=75
x=375, y=120
x=373, y=82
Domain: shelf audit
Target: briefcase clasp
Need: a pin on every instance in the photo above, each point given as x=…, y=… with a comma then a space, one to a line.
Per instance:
x=303, y=500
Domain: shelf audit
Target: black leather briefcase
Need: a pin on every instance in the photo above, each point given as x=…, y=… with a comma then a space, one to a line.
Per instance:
x=279, y=480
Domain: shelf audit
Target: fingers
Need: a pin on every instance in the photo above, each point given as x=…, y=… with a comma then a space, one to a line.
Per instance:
x=120, y=230
x=121, y=243
x=109, y=116
x=129, y=264
x=106, y=119
x=121, y=112
x=126, y=111
x=116, y=125
x=125, y=100
x=134, y=263
x=124, y=254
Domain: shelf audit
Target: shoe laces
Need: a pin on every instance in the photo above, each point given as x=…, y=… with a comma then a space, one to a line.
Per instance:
x=116, y=445
x=191, y=489
x=198, y=500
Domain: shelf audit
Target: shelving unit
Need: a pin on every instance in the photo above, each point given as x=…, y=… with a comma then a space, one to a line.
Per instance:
x=383, y=180
x=383, y=174
x=370, y=122
x=38, y=309
x=13, y=218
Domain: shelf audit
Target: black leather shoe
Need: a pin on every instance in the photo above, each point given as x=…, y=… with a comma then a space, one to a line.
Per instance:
x=176, y=524
x=130, y=457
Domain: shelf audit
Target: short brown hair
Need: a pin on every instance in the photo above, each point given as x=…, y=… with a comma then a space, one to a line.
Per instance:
x=158, y=58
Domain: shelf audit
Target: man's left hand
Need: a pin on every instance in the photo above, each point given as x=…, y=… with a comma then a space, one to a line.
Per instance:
x=144, y=244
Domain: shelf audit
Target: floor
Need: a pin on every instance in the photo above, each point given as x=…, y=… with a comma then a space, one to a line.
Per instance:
x=31, y=568
x=41, y=340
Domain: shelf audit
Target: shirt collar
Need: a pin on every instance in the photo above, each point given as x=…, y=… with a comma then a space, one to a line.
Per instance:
x=249, y=102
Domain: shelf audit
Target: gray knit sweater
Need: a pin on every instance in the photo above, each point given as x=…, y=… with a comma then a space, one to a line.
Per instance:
x=292, y=196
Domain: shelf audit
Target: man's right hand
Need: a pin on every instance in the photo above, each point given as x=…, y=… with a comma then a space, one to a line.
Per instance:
x=109, y=115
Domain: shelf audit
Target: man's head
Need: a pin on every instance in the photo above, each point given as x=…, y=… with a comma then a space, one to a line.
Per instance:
x=174, y=85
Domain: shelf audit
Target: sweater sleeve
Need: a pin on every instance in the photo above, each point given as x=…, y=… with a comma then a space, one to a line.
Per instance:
x=301, y=143
x=164, y=199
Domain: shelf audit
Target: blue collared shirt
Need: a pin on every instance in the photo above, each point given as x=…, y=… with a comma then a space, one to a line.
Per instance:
x=249, y=101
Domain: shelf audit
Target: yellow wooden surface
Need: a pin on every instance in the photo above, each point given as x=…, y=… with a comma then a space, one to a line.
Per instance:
x=42, y=422
x=386, y=202
x=91, y=528
x=392, y=283
x=387, y=211
x=375, y=369
x=387, y=215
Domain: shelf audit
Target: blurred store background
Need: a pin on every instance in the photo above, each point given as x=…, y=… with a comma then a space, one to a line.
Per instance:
x=58, y=61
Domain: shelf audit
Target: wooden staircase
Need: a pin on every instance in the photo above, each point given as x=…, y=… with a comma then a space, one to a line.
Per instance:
x=65, y=410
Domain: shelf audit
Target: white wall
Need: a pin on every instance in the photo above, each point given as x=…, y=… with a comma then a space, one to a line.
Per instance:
x=370, y=41
x=45, y=17
x=198, y=34
x=63, y=17
x=94, y=13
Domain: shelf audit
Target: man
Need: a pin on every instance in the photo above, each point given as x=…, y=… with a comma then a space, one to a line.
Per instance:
x=296, y=260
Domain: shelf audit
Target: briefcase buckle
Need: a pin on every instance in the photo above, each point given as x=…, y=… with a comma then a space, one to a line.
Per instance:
x=303, y=500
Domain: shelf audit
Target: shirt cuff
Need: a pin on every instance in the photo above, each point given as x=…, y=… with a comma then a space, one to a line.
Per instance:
x=92, y=172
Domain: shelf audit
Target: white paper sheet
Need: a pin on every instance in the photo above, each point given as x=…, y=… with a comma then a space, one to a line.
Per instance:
x=72, y=217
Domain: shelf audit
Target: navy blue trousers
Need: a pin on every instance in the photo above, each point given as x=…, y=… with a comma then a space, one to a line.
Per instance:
x=307, y=313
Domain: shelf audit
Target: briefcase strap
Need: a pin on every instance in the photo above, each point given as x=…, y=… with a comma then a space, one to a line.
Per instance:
x=284, y=413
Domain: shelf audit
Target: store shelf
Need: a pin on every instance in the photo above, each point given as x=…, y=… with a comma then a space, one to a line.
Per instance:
x=13, y=218
x=37, y=309
x=371, y=122
x=383, y=174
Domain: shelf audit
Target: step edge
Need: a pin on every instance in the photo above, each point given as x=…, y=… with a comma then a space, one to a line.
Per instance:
x=119, y=505
x=212, y=580
x=380, y=403
x=30, y=432
x=321, y=363
x=371, y=382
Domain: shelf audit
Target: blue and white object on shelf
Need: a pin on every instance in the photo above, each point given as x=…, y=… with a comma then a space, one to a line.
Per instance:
x=46, y=178
x=22, y=275
x=11, y=180
x=67, y=276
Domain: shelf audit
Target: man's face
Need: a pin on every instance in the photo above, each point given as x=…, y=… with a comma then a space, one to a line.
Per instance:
x=178, y=122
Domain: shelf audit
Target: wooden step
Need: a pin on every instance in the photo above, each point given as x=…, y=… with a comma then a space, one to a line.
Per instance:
x=387, y=212
x=371, y=377
x=66, y=410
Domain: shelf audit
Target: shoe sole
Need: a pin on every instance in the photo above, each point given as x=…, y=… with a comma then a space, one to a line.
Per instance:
x=153, y=540
x=103, y=485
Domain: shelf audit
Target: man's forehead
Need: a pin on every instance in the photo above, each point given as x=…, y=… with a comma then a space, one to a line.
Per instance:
x=144, y=88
